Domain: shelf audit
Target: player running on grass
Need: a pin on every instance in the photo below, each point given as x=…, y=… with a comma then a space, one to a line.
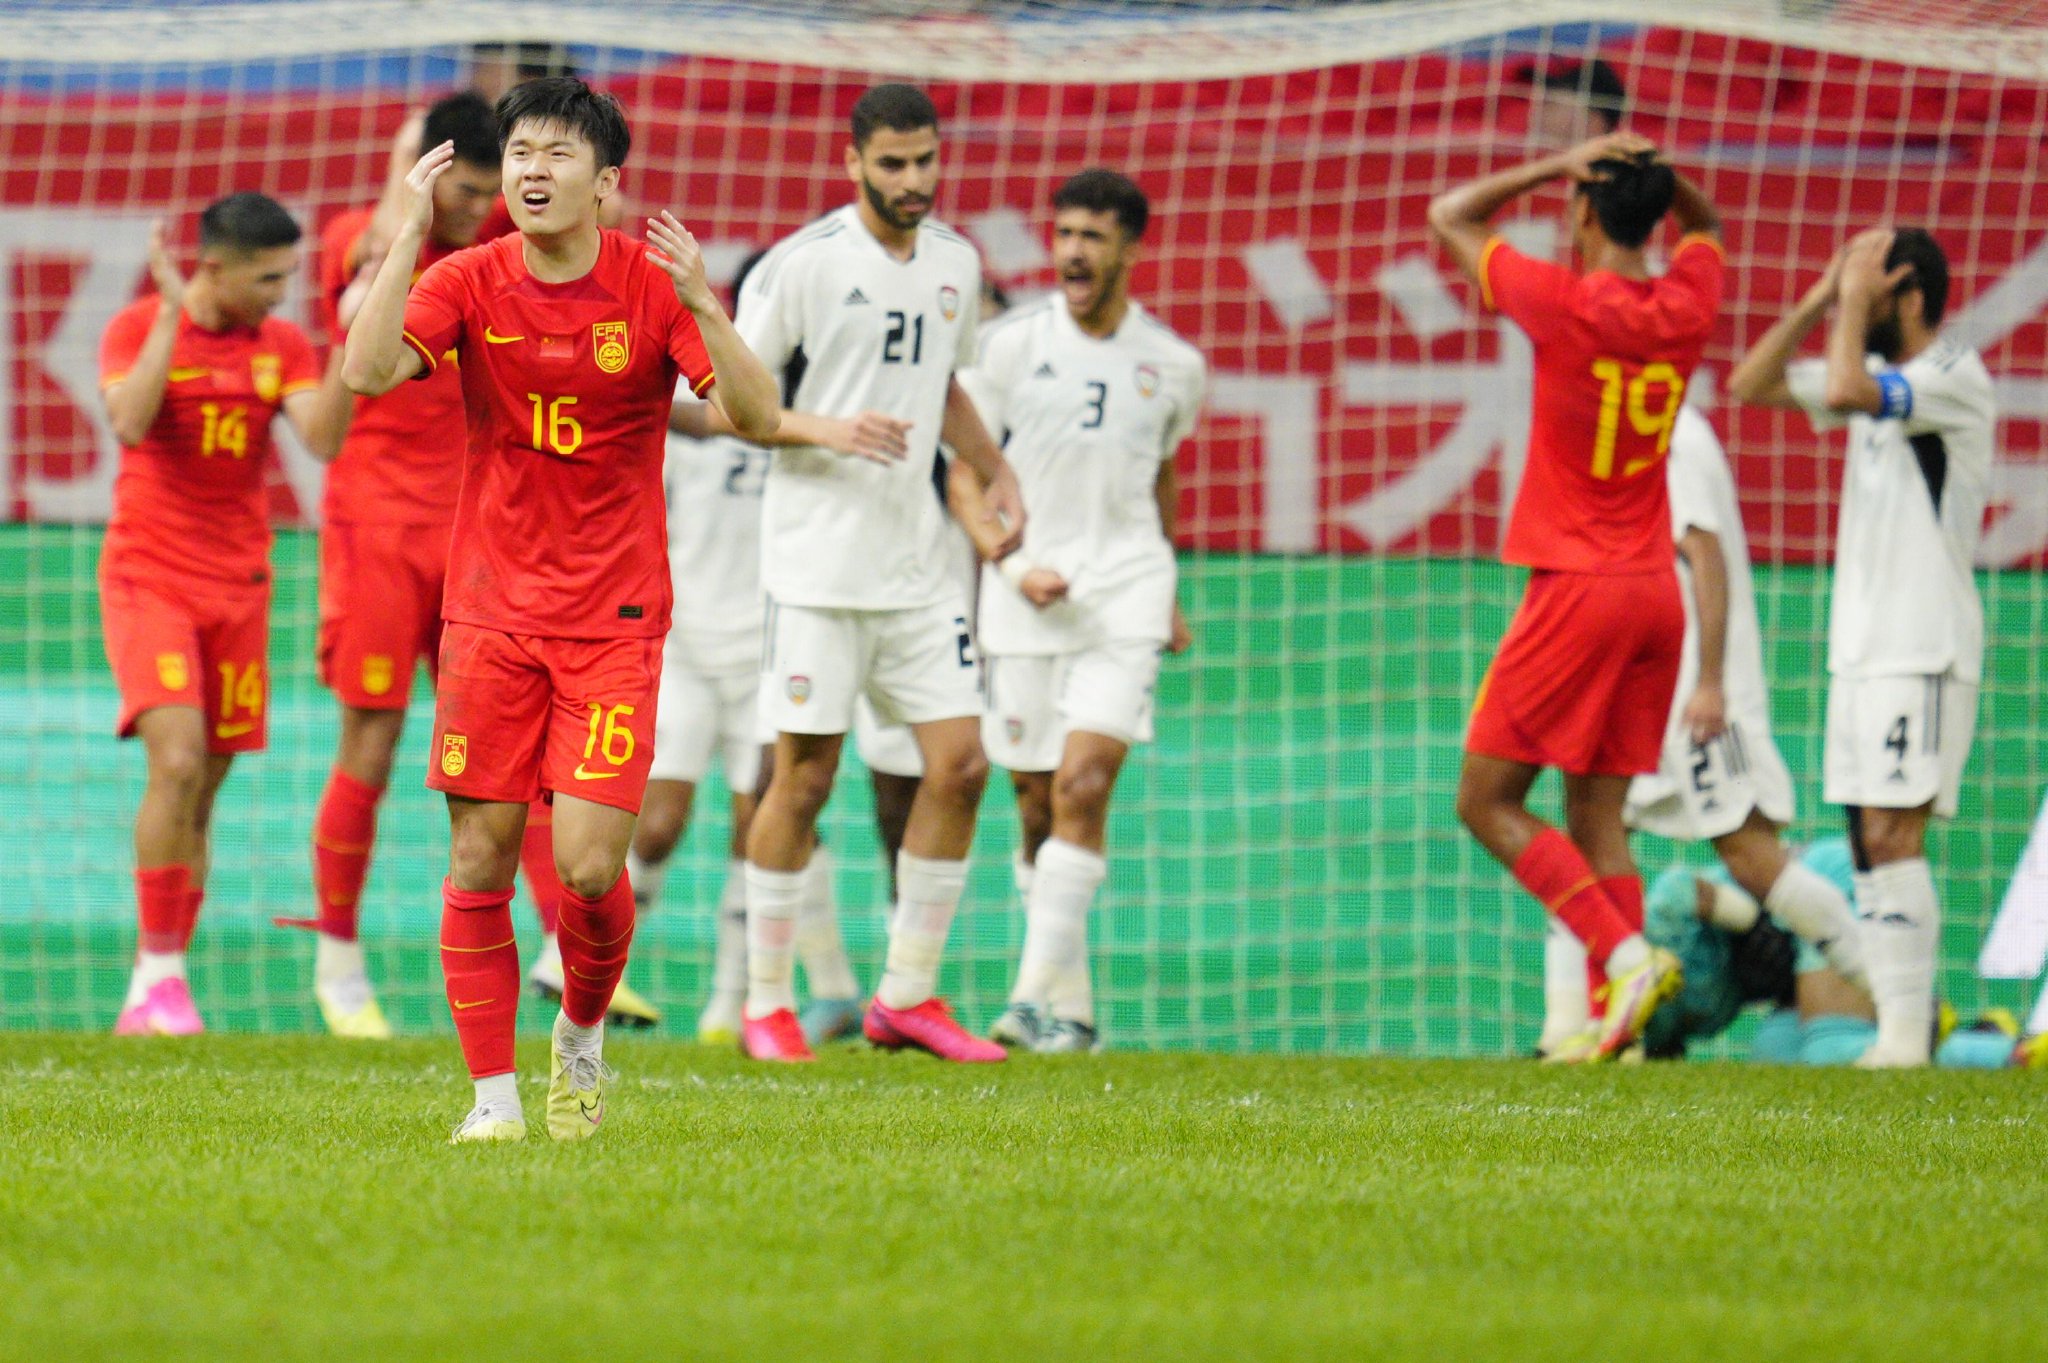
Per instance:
x=1094, y=396
x=1721, y=779
x=1584, y=677
x=570, y=339
x=881, y=305
x=1905, y=627
x=192, y=378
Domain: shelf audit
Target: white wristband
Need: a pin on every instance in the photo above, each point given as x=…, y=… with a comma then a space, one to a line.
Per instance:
x=1014, y=569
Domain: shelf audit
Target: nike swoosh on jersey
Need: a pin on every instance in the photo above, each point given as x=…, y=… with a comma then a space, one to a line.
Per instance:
x=233, y=730
x=500, y=340
x=583, y=775
x=187, y=375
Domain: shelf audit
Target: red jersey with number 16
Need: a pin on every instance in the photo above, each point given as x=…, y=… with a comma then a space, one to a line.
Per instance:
x=1612, y=359
x=560, y=530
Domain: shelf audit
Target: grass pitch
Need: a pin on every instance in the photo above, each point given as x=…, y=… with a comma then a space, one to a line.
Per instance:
x=235, y=1198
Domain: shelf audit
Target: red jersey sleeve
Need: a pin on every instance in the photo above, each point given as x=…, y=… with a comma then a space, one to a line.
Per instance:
x=686, y=348
x=434, y=311
x=338, y=267
x=122, y=341
x=1529, y=292
x=299, y=365
x=1698, y=267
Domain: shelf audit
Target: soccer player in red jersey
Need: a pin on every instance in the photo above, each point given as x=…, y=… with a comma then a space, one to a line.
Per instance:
x=192, y=378
x=570, y=339
x=1584, y=676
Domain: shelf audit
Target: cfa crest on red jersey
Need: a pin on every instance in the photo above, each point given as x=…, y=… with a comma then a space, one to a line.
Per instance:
x=608, y=343
x=1148, y=380
x=949, y=302
x=267, y=371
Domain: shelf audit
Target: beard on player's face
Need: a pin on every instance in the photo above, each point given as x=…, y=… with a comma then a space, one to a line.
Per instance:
x=1088, y=286
x=902, y=210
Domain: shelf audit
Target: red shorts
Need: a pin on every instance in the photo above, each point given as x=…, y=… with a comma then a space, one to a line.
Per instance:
x=515, y=715
x=380, y=609
x=172, y=643
x=1583, y=678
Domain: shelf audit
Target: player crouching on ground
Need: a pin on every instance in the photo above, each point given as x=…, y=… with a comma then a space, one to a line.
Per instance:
x=1584, y=677
x=192, y=379
x=570, y=339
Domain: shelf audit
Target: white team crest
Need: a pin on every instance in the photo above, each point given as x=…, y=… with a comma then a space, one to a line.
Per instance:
x=1014, y=728
x=949, y=302
x=1148, y=380
x=799, y=690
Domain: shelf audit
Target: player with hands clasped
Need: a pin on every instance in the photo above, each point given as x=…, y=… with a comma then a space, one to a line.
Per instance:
x=1584, y=677
x=570, y=339
x=1905, y=626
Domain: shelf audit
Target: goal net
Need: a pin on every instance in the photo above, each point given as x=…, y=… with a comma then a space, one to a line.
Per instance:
x=1286, y=871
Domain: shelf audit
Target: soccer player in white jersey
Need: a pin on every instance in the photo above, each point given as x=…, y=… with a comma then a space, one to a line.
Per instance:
x=880, y=303
x=1722, y=779
x=1905, y=627
x=1095, y=395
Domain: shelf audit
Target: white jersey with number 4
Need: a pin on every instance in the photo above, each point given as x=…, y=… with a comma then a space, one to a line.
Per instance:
x=869, y=332
x=1089, y=420
x=1913, y=494
x=714, y=551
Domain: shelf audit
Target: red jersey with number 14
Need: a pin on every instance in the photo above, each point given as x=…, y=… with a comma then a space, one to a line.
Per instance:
x=1612, y=359
x=560, y=530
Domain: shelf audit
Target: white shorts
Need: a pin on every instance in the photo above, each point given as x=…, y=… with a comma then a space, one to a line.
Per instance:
x=890, y=749
x=699, y=714
x=1700, y=792
x=1036, y=700
x=1898, y=742
x=915, y=666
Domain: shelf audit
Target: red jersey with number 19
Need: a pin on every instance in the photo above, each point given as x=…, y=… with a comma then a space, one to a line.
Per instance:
x=1612, y=359
x=560, y=530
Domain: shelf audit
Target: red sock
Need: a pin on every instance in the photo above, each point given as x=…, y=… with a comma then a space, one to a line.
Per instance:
x=160, y=893
x=1627, y=894
x=537, y=859
x=1555, y=871
x=480, y=962
x=188, y=913
x=344, y=830
x=595, y=936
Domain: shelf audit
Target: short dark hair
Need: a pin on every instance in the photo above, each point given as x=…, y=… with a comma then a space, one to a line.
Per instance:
x=1105, y=191
x=1915, y=246
x=246, y=223
x=466, y=120
x=530, y=60
x=899, y=108
x=568, y=102
x=1631, y=197
x=739, y=276
x=1597, y=85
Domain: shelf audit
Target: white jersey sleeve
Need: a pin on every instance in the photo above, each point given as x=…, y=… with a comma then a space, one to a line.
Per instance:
x=1689, y=473
x=1808, y=382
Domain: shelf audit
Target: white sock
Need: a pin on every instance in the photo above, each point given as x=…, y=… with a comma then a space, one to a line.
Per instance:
x=1632, y=954
x=2037, y=1021
x=500, y=1091
x=773, y=898
x=1809, y=904
x=1901, y=930
x=729, y=969
x=1020, y=876
x=645, y=877
x=929, y=891
x=1063, y=891
x=1566, y=1009
x=574, y=1039
x=1731, y=908
x=818, y=939
x=151, y=969
x=335, y=960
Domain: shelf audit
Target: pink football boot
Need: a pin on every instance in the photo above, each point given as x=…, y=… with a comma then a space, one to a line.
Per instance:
x=929, y=1027
x=774, y=1037
x=166, y=1010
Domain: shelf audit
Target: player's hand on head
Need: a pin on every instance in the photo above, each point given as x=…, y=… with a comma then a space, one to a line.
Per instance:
x=1042, y=587
x=1863, y=273
x=676, y=252
x=417, y=209
x=872, y=436
x=1179, y=637
x=1706, y=713
x=405, y=143
x=163, y=267
x=1614, y=146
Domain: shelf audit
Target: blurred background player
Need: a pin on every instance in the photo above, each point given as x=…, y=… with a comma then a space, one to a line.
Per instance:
x=1905, y=626
x=384, y=550
x=1721, y=779
x=571, y=338
x=1573, y=101
x=1584, y=677
x=1092, y=396
x=192, y=378
x=1736, y=956
x=881, y=303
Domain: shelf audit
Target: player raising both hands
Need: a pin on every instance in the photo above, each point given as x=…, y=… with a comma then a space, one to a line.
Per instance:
x=570, y=339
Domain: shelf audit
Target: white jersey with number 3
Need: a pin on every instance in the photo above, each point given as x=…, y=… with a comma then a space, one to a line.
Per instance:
x=869, y=332
x=1090, y=420
x=714, y=550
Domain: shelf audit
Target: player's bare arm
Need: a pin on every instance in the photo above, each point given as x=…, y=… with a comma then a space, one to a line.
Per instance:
x=376, y=358
x=1693, y=211
x=697, y=420
x=389, y=214
x=1462, y=218
x=1706, y=710
x=132, y=403
x=873, y=436
x=321, y=415
x=1760, y=378
x=1864, y=281
x=742, y=388
x=1166, y=491
x=968, y=501
x=963, y=429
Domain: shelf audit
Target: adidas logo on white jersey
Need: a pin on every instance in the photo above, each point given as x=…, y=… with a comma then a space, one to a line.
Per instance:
x=1044, y=371
x=855, y=297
